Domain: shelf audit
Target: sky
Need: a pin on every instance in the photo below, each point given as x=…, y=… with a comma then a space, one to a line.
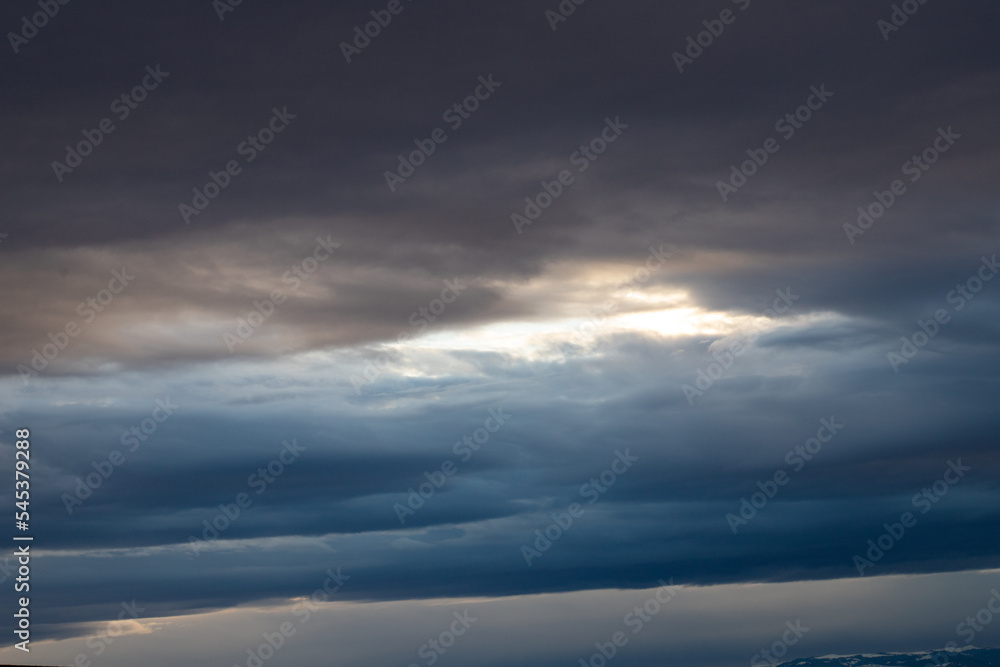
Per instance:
x=354, y=322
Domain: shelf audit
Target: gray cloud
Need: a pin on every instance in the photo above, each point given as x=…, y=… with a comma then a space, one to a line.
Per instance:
x=575, y=400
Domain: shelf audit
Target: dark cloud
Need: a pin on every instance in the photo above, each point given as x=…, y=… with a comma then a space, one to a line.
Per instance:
x=375, y=415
